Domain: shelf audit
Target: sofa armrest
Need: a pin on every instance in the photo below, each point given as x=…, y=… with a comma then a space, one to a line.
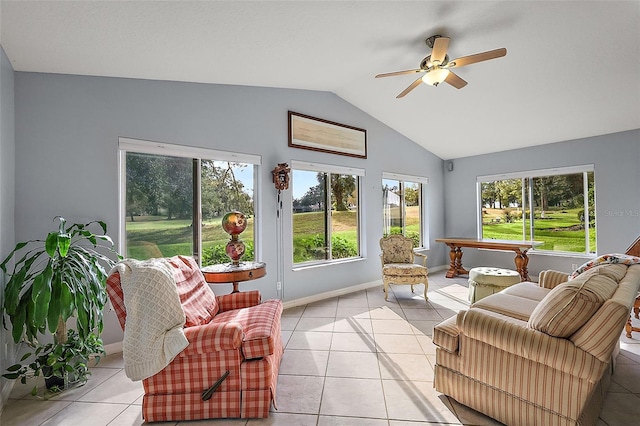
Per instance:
x=212, y=337
x=423, y=258
x=550, y=278
x=445, y=335
x=517, y=338
x=242, y=299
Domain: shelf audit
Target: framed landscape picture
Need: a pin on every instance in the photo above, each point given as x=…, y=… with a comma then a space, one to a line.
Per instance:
x=316, y=134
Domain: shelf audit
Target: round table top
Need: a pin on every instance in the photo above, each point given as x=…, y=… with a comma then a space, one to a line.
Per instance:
x=228, y=272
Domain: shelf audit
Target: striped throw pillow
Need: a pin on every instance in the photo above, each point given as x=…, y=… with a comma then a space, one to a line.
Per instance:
x=568, y=306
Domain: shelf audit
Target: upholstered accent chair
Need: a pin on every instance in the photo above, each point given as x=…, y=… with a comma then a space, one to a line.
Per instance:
x=229, y=368
x=398, y=265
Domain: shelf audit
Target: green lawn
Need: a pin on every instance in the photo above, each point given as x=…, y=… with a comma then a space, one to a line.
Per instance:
x=152, y=236
x=308, y=231
x=559, y=230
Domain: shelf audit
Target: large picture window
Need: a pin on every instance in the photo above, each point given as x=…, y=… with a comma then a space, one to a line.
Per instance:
x=326, y=222
x=174, y=199
x=554, y=206
x=402, y=202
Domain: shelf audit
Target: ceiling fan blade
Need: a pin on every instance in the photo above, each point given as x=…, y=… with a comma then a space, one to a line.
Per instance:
x=478, y=57
x=391, y=74
x=410, y=88
x=440, y=46
x=455, y=81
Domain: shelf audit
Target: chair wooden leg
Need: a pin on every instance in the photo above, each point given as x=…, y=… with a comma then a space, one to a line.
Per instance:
x=386, y=289
x=636, y=310
x=426, y=286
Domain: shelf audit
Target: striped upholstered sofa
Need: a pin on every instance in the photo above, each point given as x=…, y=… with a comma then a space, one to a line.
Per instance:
x=538, y=354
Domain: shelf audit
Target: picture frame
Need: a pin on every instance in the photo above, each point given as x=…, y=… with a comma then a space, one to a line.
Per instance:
x=316, y=134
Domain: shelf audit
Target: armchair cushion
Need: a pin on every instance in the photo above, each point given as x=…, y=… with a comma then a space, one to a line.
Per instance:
x=569, y=306
x=211, y=338
x=259, y=324
x=238, y=300
x=198, y=300
x=404, y=269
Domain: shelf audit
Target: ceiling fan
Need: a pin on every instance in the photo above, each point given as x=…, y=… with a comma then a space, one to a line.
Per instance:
x=436, y=67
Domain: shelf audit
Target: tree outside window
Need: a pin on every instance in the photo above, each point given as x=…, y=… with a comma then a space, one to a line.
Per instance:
x=402, y=209
x=557, y=209
x=162, y=195
x=325, y=216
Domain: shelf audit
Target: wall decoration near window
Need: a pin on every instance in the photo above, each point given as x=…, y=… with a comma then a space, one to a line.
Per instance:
x=326, y=136
x=281, y=176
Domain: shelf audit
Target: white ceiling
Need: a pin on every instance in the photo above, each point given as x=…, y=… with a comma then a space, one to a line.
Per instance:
x=572, y=69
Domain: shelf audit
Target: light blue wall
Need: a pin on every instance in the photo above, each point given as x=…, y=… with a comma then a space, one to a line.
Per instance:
x=67, y=130
x=616, y=158
x=66, y=134
x=7, y=200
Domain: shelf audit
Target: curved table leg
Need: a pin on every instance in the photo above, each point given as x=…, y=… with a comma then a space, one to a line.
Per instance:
x=452, y=266
x=459, y=269
x=455, y=267
x=521, y=261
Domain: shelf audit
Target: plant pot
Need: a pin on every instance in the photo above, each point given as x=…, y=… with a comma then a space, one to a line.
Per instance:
x=54, y=382
x=69, y=381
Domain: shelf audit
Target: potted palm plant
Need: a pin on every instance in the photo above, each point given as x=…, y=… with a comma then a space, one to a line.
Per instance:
x=61, y=277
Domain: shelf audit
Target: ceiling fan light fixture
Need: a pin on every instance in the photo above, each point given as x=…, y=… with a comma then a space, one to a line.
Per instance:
x=435, y=76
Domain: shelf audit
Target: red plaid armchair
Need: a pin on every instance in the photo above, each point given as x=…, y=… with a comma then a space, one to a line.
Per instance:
x=233, y=333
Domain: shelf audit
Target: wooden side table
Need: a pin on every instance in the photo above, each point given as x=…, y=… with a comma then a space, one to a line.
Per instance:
x=636, y=311
x=230, y=273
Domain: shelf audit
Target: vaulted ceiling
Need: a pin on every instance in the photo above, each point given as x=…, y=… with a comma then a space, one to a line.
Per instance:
x=572, y=69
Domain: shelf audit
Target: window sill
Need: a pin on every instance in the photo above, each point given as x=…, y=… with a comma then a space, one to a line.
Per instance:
x=566, y=254
x=303, y=267
x=586, y=256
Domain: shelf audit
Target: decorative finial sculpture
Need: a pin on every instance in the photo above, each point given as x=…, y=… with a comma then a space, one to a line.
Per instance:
x=234, y=223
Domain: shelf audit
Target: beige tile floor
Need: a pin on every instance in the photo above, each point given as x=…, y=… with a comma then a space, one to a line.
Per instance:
x=350, y=360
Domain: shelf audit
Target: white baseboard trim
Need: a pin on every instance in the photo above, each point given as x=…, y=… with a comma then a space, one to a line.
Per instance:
x=113, y=348
x=330, y=294
x=438, y=268
x=4, y=395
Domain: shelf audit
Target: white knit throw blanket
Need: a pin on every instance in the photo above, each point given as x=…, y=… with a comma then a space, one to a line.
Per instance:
x=153, y=332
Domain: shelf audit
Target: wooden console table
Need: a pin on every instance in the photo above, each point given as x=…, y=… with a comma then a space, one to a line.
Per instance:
x=519, y=247
x=230, y=273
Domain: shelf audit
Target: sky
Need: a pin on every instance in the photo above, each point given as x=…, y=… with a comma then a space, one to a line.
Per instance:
x=300, y=181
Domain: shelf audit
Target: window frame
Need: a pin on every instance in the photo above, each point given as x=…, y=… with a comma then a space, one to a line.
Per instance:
x=541, y=173
x=331, y=169
x=423, y=181
x=131, y=145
